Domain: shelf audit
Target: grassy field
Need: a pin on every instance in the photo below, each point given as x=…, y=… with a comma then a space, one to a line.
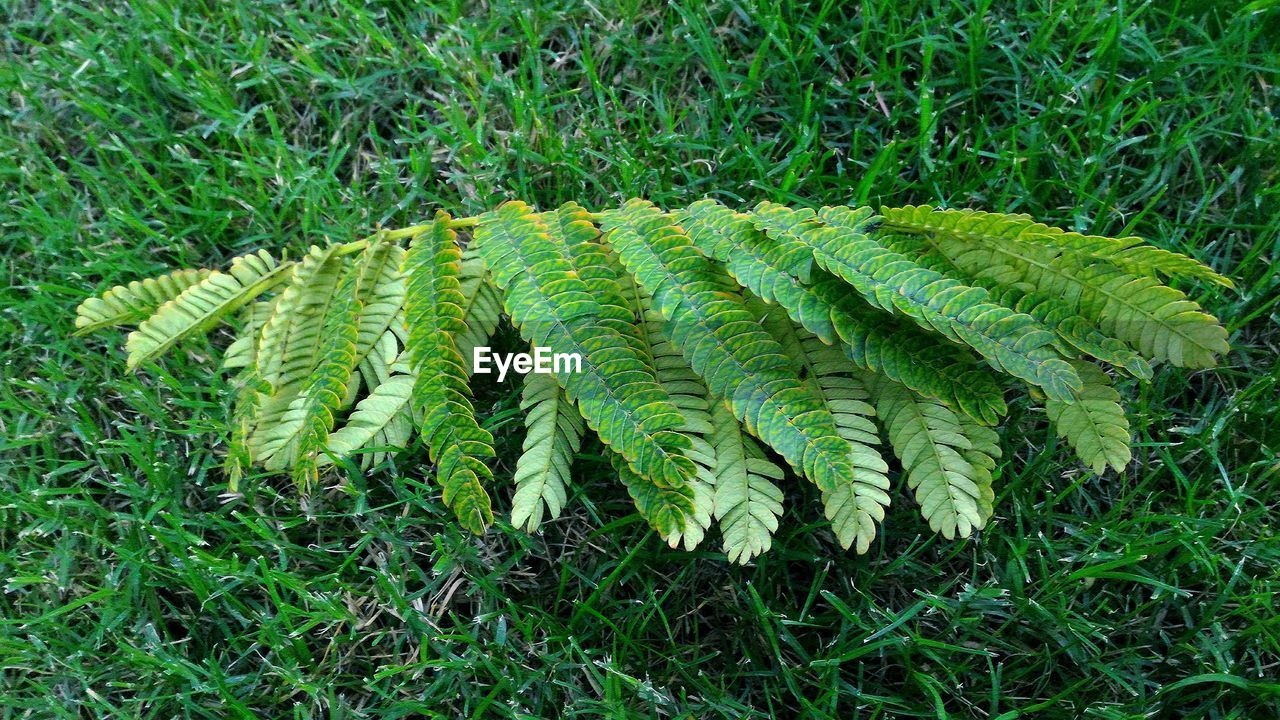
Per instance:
x=137, y=139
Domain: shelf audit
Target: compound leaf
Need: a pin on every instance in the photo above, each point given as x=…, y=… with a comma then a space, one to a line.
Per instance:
x=200, y=307
x=1013, y=342
x=553, y=434
x=433, y=314
x=1095, y=423
x=135, y=302
x=705, y=318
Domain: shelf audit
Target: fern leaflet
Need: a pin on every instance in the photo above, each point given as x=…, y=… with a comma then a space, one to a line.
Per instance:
x=553, y=434
x=858, y=503
x=616, y=393
x=326, y=388
x=823, y=306
x=380, y=420
x=481, y=307
x=740, y=362
x=1095, y=423
x=1012, y=342
x=747, y=502
x=1127, y=254
x=197, y=309
x=1154, y=319
x=930, y=441
x=134, y=302
x=433, y=313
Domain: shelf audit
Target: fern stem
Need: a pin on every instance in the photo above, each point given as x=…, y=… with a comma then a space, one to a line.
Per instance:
x=463, y=223
x=408, y=233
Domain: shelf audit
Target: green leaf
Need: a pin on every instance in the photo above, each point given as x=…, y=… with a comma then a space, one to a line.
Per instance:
x=381, y=419
x=327, y=386
x=197, y=309
x=134, y=302
x=747, y=503
x=1154, y=319
x=433, y=312
x=672, y=512
x=1127, y=254
x=481, y=306
x=983, y=455
x=381, y=292
x=243, y=351
x=707, y=320
x=1013, y=342
x=548, y=300
x=289, y=350
x=553, y=434
x=824, y=306
x=858, y=502
x=1094, y=423
x=930, y=441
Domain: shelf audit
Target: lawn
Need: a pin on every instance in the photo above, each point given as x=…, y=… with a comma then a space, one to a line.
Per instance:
x=143, y=137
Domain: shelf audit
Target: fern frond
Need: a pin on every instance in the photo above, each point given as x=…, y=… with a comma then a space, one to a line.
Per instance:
x=904, y=353
x=1129, y=254
x=680, y=514
x=381, y=419
x=250, y=392
x=699, y=331
x=824, y=307
x=197, y=309
x=1013, y=342
x=433, y=312
x=983, y=455
x=481, y=306
x=603, y=275
x=747, y=503
x=290, y=331
x=1095, y=424
x=853, y=510
x=690, y=395
x=326, y=387
x=685, y=388
x=381, y=292
x=135, y=302
x=288, y=351
x=930, y=441
x=626, y=309
x=1078, y=334
x=705, y=318
x=1154, y=319
x=550, y=303
x=243, y=351
x=553, y=434
x=1075, y=334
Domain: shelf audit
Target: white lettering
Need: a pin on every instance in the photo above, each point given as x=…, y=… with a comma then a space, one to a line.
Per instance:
x=503, y=367
x=567, y=359
x=542, y=362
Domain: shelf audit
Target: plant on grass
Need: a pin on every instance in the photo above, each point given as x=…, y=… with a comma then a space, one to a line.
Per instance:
x=716, y=347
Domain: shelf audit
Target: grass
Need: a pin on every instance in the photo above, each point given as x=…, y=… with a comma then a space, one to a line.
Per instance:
x=162, y=134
